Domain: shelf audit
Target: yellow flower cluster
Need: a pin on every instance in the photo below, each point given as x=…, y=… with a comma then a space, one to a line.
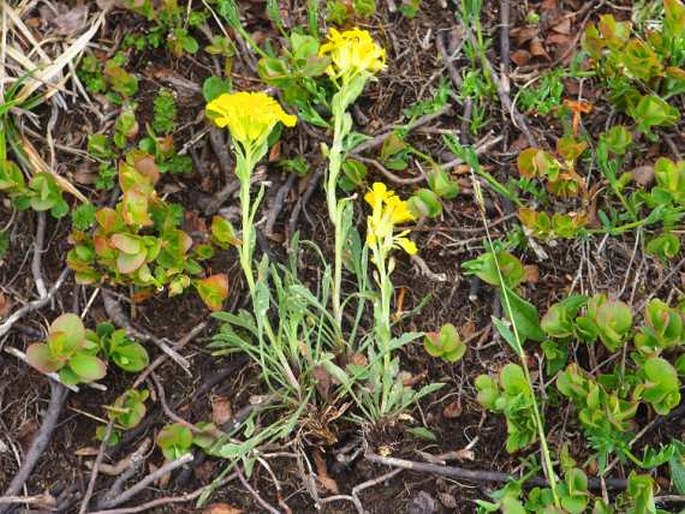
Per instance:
x=387, y=211
x=249, y=116
x=352, y=51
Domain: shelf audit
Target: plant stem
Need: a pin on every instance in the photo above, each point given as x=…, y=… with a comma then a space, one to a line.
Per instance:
x=537, y=417
x=335, y=211
x=243, y=171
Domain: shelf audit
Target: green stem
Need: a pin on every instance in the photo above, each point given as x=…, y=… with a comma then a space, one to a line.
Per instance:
x=246, y=249
x=382, y=319
x=335, y=211
x=244, y=165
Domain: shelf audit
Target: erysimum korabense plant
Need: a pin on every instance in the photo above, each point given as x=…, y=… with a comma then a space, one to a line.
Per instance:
x=388, y=211
x=250, y=118
x=355, y=59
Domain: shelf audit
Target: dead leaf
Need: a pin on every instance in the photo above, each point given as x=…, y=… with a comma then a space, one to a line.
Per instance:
x=643, y=175
x=221, y=409
x=452, y=410
x=164, y=480
x=323, y=381
x=447, y=500
x=564, y=27
x=88, y=451
x=520, y=57
x=4, y=305
x=531, y=274
x=468, y=329
x=326, y=481
x=537, y=49
x=522, y=35
x=275, y=152
x=464, y=454
x=561, y=40
x=358, y=359
x=221, y=508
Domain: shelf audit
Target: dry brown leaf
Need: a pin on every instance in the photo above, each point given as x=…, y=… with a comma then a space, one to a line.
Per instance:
x=275, y=152
x=452, y=410
x=4, y=305
x=447, y=500
x=643, y=175
x=561, y=40
x=532, y=274
x=564, y=27
x=522, y=35
x=537, y=49
x=520, y=57
x=88, y=451
x=464, y=454
x=221, y=508
x=322, y=473
x=221, y=410
x=468, y=329
x=322, y=381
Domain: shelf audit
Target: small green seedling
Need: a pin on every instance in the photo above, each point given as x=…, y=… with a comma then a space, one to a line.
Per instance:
x=69, y=352
x=175, y=441
x=512, y=396
x=446, y=344
x=41, y=194
x=127, y=411
x=120, y=349
x=663, y=329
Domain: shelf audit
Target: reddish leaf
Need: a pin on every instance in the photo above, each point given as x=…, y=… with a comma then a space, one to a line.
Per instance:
x=39, y=356
x=130, y=263
x=213, y=290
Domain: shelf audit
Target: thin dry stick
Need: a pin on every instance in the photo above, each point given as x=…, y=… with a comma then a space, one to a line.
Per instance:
x=118, y=317
x=52, y=376
x=32, y=306
x=155, y=475
x=194, y=332
x=255, y=494
x=166, y=500
x=96, y=467
x=135, y=461
x=40, y=499
x=37, y=256
x=475, y=475
x=380, y=138
x=41, y=440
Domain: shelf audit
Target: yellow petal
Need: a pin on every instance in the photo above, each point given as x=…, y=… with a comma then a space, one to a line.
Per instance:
x=353, y=51
x=250, y=117
x=407, y=245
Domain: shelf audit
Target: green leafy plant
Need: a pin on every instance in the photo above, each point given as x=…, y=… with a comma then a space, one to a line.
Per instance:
x=69, y=351
x=175, y=440
x=296, y=72
x=120, y=349
x=139, y=242
x=628, y=64
x=170, y=26
x=127, y=411
x=512, y=396
x=490, y=265
x=446, y=343
x=164, y=107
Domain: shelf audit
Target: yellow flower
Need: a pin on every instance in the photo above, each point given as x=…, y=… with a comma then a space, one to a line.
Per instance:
x=249, y=116
x=387, y=211
x=352, y=51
